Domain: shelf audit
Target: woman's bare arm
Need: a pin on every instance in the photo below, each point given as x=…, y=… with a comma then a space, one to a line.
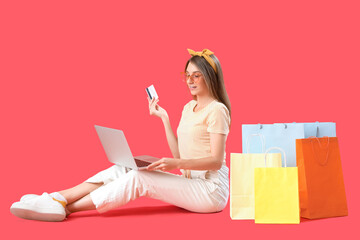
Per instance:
x=214, y=162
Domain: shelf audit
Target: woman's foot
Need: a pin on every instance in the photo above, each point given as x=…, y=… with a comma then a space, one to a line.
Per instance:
x=42, y=208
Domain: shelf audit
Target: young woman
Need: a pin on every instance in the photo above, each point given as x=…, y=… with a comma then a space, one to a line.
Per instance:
x=198, y=151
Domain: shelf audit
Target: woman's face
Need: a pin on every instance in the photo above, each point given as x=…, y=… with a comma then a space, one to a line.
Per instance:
x=196, y=82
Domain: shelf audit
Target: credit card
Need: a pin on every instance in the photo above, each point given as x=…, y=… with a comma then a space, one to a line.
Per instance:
x=151, y=92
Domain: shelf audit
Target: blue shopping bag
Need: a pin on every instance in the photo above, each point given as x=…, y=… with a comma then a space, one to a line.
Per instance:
x=283, y=135
x=319, y=129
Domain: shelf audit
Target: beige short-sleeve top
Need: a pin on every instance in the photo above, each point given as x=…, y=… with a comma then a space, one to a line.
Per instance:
x=194, y=132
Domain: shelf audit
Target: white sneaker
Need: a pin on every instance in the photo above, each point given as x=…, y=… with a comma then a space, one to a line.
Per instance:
x=28, y=196
x=42, y=208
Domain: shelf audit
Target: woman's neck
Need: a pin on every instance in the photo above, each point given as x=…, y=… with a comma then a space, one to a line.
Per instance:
x=203, y=101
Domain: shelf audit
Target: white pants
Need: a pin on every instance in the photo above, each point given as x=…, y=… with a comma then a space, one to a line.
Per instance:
x=122, y=185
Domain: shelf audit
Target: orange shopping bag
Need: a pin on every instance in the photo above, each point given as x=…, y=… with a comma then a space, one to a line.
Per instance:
x=321, y=184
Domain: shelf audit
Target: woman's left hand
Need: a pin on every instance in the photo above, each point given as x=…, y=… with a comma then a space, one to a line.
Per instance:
x=164, y=164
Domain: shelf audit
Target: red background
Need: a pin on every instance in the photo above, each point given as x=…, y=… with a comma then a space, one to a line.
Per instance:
x=67, y=65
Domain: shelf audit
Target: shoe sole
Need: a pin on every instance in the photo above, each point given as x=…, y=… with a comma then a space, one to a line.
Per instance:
x=38, y=214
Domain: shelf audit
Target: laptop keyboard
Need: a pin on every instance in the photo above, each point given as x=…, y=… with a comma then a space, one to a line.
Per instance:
x=140, y=163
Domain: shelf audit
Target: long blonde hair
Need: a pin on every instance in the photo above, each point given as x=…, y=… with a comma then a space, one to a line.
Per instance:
x=214, y=81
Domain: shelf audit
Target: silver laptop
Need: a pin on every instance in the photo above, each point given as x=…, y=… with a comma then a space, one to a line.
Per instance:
x=118, y=151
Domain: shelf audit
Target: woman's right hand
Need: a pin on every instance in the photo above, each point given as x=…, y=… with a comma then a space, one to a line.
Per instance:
x=155, y=109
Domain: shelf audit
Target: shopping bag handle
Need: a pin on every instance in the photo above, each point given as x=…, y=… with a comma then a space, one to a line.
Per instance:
x=317, y=129
x=327, y=150
x=275, y=148
x=262, y=138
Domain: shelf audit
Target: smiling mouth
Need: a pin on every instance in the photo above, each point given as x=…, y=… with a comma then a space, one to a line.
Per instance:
x=192, y=87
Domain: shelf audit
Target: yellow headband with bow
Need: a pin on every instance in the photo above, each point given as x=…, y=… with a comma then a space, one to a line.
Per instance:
x=206, y=54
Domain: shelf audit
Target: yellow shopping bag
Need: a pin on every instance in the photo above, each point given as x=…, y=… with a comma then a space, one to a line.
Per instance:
x=276, y=194
x=242, y=165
